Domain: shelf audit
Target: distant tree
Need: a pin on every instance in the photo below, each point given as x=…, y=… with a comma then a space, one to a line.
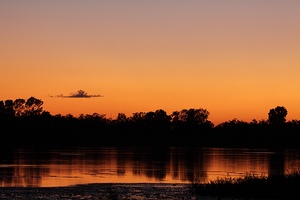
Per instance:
x=277, y=115
x=19, y=107
x=175, y=117
x=254, y=122
x=161, y=116
x=121, y=117
x=137, y=117
x=2, y=108
x=93, y=117
x=9, y=108
x=149, y=117
x=33, y=107
x=68, y=116
x=158, y=119
x=194, y=116
x=231, y=123
x=190, y=118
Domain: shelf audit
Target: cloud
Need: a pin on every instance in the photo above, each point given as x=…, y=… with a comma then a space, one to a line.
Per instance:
x=78, y=94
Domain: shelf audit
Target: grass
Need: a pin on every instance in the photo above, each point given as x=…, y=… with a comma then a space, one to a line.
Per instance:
x=284, y=186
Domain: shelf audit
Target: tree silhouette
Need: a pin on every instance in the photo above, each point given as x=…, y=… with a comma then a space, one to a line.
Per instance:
x=197, y=116
x=277, y=115
x=33, y=106
x=26, y=123
x=9, y=108
x=2, y=108
x=19, y=107
x=121, y=118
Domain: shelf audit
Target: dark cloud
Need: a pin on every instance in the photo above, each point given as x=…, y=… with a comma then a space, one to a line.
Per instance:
x=78, y=94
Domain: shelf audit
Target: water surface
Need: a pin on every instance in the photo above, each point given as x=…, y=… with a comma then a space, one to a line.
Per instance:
x=65, y=167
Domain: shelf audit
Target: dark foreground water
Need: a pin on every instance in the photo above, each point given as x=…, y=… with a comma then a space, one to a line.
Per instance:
x=67, y=167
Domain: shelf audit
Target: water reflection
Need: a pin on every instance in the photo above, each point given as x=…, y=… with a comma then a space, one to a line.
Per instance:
x=26, y=167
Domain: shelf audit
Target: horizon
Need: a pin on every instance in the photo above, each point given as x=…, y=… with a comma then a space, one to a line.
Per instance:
x=83, y=94
x=237, y=59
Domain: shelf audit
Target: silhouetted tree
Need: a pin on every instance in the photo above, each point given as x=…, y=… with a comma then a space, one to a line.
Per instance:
x=69, y=116
x=19, y=107
x=9, y=108
x=157, y=121
x=27, y=123
x=277, y=115
x=162, y=118
x=121, y=118
x=33, y=107
x=190, y=118
x=2, y=108
x=233, y=124
x=194, y=116
x=138, y=116
x=175, y=117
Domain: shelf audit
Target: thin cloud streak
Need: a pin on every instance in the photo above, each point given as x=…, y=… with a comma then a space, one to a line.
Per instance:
x=78, y=94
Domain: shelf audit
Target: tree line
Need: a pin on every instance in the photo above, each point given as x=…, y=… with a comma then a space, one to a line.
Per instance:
x=26, y=123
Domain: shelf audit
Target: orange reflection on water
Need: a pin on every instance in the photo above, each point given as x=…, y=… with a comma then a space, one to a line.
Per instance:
x=139, y=165
x=230, y=163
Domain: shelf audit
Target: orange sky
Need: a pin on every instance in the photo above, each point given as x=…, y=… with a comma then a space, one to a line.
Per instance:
x=237, y=59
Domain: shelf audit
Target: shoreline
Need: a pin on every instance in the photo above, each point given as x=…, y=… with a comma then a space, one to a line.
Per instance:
x=103, y=191
x=109, y=191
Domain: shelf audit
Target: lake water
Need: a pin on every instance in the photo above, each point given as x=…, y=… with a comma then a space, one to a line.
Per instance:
x=65, y=167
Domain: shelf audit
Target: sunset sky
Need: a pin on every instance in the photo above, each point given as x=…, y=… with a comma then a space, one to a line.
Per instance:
x=235, y=58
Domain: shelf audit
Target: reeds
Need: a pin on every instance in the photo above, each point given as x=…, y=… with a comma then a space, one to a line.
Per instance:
x=281, y=186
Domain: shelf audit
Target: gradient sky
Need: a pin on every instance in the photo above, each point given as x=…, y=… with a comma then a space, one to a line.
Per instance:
x=235, y=58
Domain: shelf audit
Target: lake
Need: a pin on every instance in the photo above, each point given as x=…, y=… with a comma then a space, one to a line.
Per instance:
x=66, y=167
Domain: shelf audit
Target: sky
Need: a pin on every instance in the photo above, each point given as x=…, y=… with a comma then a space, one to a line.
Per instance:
x=235, y=58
